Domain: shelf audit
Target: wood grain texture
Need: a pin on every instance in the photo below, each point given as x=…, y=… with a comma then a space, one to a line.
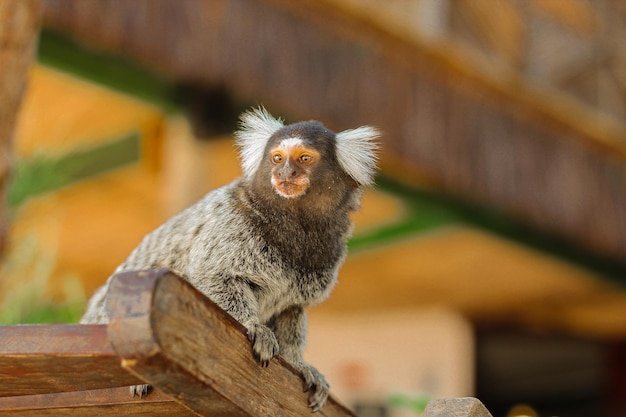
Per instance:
x=38, y=359
x=456, y=407
x=110, y=402
x=173, y=337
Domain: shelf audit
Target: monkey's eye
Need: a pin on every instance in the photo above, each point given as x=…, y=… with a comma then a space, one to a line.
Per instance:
x=306, y=159
x=277, y=158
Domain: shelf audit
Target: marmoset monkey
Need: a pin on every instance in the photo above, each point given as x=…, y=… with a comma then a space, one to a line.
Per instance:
x=270, y=243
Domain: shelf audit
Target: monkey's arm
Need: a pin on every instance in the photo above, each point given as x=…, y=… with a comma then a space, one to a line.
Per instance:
x=290, y=330
x=236, y=296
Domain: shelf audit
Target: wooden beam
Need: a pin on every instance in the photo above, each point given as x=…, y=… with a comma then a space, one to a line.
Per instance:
x=456, y=407
x=38, y=359
x=110, y=402
x=41, y=364
x=173, y=337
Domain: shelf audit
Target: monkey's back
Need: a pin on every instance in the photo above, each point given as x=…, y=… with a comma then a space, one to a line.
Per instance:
x=210, y=237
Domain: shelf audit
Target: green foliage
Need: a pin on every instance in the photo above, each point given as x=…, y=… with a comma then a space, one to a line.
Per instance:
x=35, y=176
x=24, y=276
x=52, y=313
x=416, y=403
x=26, y=270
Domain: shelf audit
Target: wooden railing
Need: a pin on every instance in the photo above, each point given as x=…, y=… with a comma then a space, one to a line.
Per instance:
x=165, y=333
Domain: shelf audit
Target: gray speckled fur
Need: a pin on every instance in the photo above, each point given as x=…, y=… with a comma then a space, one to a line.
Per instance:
x=261, y=257
x=212, y=244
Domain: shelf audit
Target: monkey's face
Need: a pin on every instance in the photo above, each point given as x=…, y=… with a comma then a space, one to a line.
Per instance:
x=292, y=164
x=304, y=165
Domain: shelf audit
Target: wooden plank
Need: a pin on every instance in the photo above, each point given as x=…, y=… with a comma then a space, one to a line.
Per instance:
x=172, y=336
x=38, y=359
x=112, y=402
x=456, y=407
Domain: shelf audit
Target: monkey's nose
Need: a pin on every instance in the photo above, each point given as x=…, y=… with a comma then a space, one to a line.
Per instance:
x=287, y=173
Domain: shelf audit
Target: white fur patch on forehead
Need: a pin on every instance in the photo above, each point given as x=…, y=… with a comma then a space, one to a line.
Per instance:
x=357, y=153
x=255, y=128
x=290, y=143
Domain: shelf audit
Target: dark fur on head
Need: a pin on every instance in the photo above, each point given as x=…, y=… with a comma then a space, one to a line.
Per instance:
x=355, y=148
x=330, y=186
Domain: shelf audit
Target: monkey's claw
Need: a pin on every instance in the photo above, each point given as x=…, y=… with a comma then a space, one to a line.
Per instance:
x=140, y=390
x=319, y=389
x=264, y=344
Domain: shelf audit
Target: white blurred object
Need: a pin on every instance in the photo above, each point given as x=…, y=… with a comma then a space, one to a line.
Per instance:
x=370, y=357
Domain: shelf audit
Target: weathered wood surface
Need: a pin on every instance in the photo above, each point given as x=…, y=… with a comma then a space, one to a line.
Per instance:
x=38, y=359
x=51, y=370
x=456, y=407
x=167, y=334
x=108, y=402
x=163, y=332
x=173, y=337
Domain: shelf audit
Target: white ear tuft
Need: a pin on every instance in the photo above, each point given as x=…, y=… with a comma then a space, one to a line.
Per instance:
x=255, y=128
x=356, y=153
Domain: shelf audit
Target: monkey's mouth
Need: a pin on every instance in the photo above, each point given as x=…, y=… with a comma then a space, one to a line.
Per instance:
x=290, y=188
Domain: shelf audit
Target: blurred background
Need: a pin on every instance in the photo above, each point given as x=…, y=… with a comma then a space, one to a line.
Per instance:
x=489, y=260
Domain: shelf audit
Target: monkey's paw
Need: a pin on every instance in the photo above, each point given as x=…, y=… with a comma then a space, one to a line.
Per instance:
x=315, y=382
x=140, y=390
x=264, y=343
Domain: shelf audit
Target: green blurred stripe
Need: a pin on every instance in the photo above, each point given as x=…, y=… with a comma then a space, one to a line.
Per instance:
x=63, y=53
x=42, y=174
x=428, y=210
